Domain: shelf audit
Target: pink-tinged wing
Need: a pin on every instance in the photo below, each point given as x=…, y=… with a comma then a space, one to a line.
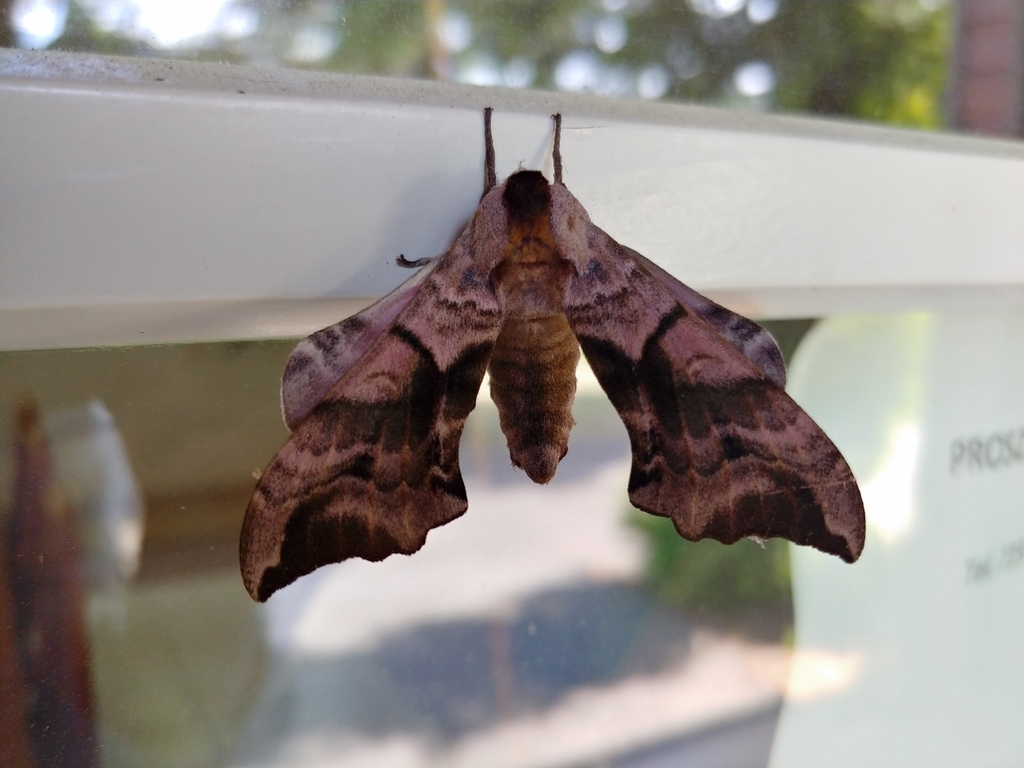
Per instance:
x=756, y=344
x=375, y=464
x=718, y=446
x=321, y=359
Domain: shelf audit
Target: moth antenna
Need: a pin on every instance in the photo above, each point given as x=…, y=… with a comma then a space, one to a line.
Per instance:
x=490, y=176
x=404, y=262
x=556, y=152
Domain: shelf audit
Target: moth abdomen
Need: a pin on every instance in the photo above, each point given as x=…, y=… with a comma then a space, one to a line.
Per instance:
x=533, y=384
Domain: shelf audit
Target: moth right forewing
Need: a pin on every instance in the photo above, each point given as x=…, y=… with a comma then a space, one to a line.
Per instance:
x=748, y=337
x=718, y=446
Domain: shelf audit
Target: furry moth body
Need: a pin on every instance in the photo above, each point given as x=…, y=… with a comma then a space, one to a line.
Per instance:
x=377, y=402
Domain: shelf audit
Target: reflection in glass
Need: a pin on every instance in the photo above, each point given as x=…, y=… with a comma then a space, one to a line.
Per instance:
x=912, y=656
x=93, y=469
x=536, y=629
x=553, y=625
x=37, y=23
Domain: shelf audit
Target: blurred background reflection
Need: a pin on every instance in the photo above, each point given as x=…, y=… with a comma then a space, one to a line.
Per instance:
x=549, y=625
x=879, y=60
x=930, y=64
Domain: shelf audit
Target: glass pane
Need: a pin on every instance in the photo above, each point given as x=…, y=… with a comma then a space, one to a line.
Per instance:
x=550, y=625
x=911, y=656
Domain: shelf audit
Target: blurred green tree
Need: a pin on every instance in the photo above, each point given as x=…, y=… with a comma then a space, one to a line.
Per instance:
x=707, y=576
x=877, y=60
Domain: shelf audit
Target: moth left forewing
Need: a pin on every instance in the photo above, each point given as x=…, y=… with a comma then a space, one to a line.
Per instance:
x=718, y=446
x=319, y=360
x=374, y=464
x=363, y=476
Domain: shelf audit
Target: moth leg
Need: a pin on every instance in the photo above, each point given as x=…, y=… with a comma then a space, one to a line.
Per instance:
x=556, y=152
x=404, y=262
x=490, y=175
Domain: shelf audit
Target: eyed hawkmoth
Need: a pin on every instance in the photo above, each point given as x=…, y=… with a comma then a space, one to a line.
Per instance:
x=377, y=402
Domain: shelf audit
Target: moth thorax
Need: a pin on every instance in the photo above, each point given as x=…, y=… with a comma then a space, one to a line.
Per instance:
x=533, y=383
x=533, y=288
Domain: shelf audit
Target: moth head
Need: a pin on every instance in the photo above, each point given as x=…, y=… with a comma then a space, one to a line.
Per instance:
x=527, y=197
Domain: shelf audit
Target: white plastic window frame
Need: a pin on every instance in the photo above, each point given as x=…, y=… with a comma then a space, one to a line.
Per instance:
x=160, y=201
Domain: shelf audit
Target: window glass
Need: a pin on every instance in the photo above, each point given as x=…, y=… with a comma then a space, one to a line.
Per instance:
x=549, y=625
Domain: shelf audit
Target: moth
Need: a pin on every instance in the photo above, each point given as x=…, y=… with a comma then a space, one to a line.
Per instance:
x=377, y=402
